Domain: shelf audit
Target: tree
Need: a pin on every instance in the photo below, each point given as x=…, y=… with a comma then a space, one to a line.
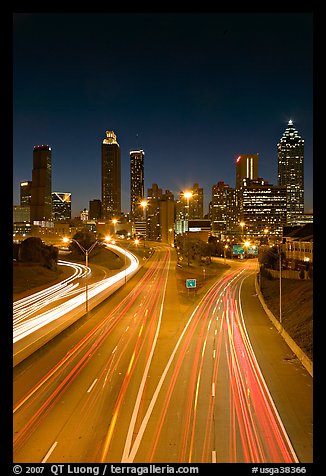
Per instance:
x=33, y=250
x=269, y=258
x=85, y=238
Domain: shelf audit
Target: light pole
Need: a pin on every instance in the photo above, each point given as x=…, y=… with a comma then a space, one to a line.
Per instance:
x=280, y=265
x=143, y=203
x=86, y=253
x=246, y=245
x=188, y=196
x=280, y=276
x=225, y=248
x=114, y=221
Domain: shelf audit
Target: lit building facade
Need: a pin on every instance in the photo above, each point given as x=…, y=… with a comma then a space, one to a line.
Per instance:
x=95, y=209
x=200, y=228
x=21, y=214
x=221, y=207
x=61, y=206
x=154, y=196
x=262, y=207
x=246, y=168
x=191, y=208
x=290, y=153
x=136, y=183
x=25, y=193
x=111, y=177
x=196, y=203
x=41, y=191
x=160, y=214
x=298, y=246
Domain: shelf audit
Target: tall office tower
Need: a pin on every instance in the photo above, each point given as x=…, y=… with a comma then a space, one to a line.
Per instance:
x=154, y=196
x=221, y=207
x=137, y=193
x=111, y=177
x=193, y=207
x=61, y=206
x=246, y=168
x=262, y=206
x=196, y=204
x=290, y=153
x=160, y=214
x=166, y=218
x=25, y=193
x=95, y=209
x=41, y=199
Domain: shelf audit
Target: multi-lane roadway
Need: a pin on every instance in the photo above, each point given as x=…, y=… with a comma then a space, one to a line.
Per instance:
x=147, y=379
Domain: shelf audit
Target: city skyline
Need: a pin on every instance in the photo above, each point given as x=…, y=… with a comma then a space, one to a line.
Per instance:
x=193, y=103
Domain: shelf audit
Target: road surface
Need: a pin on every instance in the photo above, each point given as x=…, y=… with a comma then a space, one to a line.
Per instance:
x=143, y=380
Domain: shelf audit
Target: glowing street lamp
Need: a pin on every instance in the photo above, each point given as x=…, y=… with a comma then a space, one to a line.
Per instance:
x=86, y=253
x=188, y=196
x=225, y=248
x=246, y=245
x=143, y=204
x=114, y=221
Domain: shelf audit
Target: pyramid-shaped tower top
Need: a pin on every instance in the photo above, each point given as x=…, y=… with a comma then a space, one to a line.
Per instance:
x=291, y=135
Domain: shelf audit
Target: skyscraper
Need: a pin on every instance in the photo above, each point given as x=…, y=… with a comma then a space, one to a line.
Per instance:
x=246, y=168
x=41, y=199
x=25, y=193
x=221, y=209
x=262, y=206
x=191, y=208
x=290, y=153
x=136, y=183
x=61, y=206
x=111, y=177
x=95, y=209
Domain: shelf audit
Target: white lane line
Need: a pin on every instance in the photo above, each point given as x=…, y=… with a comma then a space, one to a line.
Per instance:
x=48, y=454
x=127, y=448
x=91, y=387
x=213, y=389
x=143, y=425
x=213, y=456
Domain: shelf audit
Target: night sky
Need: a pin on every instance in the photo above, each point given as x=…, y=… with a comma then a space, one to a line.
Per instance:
x=193, y=90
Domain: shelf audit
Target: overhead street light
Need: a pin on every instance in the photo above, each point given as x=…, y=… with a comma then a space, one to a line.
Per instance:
x=86, y=253
x=188, y=196
x=114, y=221
x=143, y=203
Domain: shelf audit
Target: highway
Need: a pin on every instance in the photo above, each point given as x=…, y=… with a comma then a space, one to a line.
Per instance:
x=35, y=311
x=211, y=403
x=145, y=379
x=31, y=305
x=41, y=316
x=93, y=374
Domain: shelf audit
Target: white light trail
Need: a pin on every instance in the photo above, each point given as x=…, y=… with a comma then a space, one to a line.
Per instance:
x=27, y=327
x=27, y=306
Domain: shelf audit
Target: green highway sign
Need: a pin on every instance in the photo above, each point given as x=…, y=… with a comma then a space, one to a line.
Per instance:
x=238, y=249
x=191, y=283
x=252, y=250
